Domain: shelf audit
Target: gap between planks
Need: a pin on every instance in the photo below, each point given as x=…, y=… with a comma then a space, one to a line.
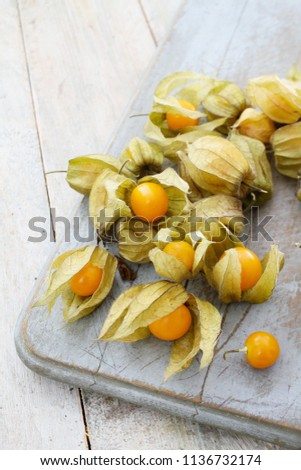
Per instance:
x=156, y=41
x=35, y=116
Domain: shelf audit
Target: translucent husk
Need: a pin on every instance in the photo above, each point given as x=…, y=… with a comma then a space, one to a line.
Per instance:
x=277, y=98
x=176, y=188
x=61, y=272
x=225, y=100
x=224, y=275
x=110, y=196
x=286, y=144
x=200, y=233
x=135, y=239
x=142, y=157
x=216, y=165
x=172, y=145
x=255, y=124
x=170, y=267
x=83, y=171
x=109, y=200
x=135, y=309
x=255, y=153
x=195, y=194
x=227, y=209
x=189, y=86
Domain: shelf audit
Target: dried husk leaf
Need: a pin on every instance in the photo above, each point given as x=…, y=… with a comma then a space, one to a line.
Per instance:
x=286, y=144
x=195, y=194
x=254, y=151
x=224, y=274
x=137, y=307
x=170, y=267
x=176, y=188
x=226, y=277
x=64, y=268
x=225, y=100
x=217, y=166
x=227, y=209
x=188, y=85
x=110, y=196
x=272, y=264
x=83, y=171
x=294, y=74
x=109, y=199
x=142, y=157
x=255, y=124
x=135, y=240
x=172, y=145
x=202, y=336
x=192, y=87
x=277, y=98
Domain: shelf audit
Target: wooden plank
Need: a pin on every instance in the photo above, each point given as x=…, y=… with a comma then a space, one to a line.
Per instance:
x=35, y=20
x=161, y=16
x=35, y=413
x=85, y=61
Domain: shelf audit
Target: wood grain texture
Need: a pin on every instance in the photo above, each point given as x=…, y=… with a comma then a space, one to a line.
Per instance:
x=161, y=16
x=188, y=58
x=34, y=412
x=85, y=59
x=82, y=91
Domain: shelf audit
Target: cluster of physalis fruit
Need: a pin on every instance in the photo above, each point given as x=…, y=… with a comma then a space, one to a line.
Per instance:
x=176, y=200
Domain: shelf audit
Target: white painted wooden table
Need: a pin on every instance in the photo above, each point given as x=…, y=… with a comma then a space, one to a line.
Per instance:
x=68, y=69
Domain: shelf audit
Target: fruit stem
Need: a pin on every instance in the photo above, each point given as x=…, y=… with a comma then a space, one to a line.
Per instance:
x=137, y=115
x=123, y=165
x=56, y=171
x=244, y=350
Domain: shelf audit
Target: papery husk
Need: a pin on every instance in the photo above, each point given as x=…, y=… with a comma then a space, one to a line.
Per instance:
x=138, y=307
x=195, y=194
x=255, y=153
x=109, y=200
x=286, y=144
x=185, y=85
x=170, y=267
x=255, y=124
x=293, y=79
x=188, y=85
x=176, y=188
x=227, y=209
x=141, y=157
x=217, y=166
x=202, y=336
x=225, y=100
x=110, y=196
x=135, y=309
x=294, y=74
x=172, y=145
x=61, y=272
x=83, y=171
x=224, y=275
x=135, y=239
x=277, y=98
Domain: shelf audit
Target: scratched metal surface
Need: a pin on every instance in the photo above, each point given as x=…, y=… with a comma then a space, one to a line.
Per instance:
x=265, y=404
